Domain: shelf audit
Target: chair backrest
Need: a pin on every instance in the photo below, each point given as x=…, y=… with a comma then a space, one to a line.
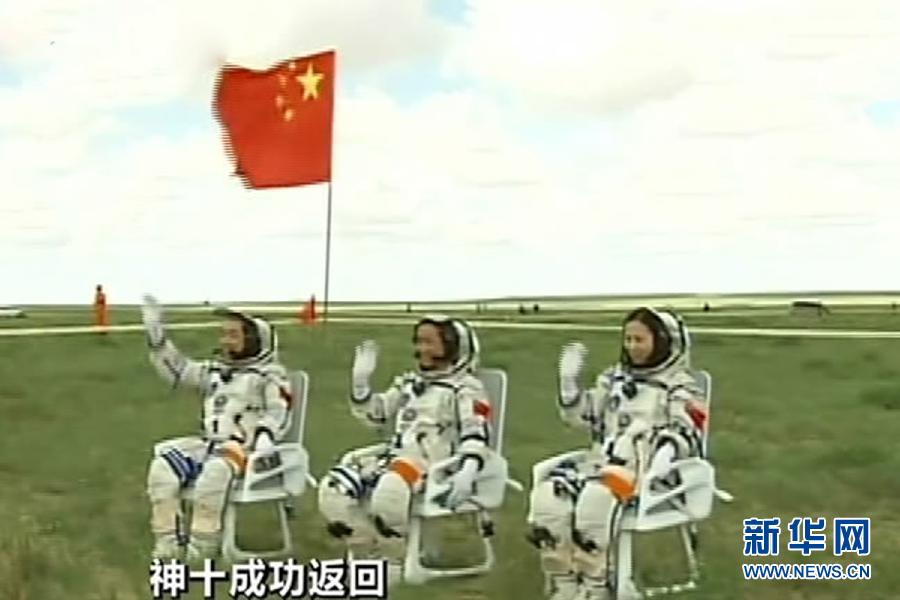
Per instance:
x=299, y=381
x=495, y=384
x=704, y=381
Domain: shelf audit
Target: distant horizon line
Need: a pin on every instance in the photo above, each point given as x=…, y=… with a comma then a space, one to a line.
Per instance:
x=799, y=295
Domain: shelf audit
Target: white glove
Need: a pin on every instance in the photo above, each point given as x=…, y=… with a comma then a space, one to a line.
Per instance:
x=151, y=314
x=661, y=461
x=264, y=441
x=462, y=484
x=571, y=361
x=364, y=363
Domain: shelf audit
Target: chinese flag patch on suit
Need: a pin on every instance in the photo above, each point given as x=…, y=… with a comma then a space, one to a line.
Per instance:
x=278, y=123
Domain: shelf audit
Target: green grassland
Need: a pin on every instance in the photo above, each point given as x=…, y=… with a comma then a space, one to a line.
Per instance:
x=801, y=427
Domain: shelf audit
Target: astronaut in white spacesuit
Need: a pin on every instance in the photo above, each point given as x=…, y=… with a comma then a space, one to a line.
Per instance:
x=246, y=406
x=643, y=413
x=439, y=410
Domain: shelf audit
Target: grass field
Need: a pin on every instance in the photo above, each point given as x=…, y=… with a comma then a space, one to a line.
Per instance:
x=801, y=427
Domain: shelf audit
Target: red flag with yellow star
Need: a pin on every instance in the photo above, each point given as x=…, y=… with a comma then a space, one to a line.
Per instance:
x=278, y=123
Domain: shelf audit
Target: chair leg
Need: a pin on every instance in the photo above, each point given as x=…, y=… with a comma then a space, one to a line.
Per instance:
x=413, y=570
x=230, y=551
x=485, y=527
x=688, y=538
x=430, y=550
x=623, y=565
x=489, y=557
x=234, y=553
x=625, y=587
x=285, y=515
x=416, y=573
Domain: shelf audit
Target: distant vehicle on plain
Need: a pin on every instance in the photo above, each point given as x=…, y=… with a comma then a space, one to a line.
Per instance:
x=11, y=312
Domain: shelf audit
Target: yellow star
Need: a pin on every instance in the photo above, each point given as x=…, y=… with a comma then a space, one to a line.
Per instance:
x=310, y=82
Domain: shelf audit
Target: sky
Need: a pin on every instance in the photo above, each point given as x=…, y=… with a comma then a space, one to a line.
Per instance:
x=482, y=149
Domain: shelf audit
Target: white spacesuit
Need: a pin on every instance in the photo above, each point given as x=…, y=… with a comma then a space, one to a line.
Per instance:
x=440, y=410
x=246, y=406
x=642, y=414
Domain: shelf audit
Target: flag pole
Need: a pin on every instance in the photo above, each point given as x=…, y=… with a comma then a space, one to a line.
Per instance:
x=330, y=180
x=327, y=254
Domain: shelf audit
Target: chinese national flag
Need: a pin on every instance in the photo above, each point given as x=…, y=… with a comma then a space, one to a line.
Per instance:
x=278, y=123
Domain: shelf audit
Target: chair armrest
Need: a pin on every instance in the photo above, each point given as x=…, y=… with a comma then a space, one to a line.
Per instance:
x=490, y=486
x=516, y=485
x=294, y=467
x=660, y=506
x=724, y=496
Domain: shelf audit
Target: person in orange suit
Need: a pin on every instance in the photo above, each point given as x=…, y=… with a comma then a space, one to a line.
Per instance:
x=101, y=310
x=308, y=313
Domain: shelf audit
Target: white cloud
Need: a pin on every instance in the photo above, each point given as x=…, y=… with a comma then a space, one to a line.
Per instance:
x=444, y=163
x=744, y=142
x=93, y=56
x=373, y=34
x=577, y=54
x=607, y=56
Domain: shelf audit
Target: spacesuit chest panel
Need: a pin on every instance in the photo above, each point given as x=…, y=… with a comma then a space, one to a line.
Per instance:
x=424, y=413
x=635, y=401
x=232, y=401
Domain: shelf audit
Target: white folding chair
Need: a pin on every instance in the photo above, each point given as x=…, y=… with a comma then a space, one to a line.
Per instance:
x=280, y=485
x=655, y=509
x=682, y=506
x=489, y=494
